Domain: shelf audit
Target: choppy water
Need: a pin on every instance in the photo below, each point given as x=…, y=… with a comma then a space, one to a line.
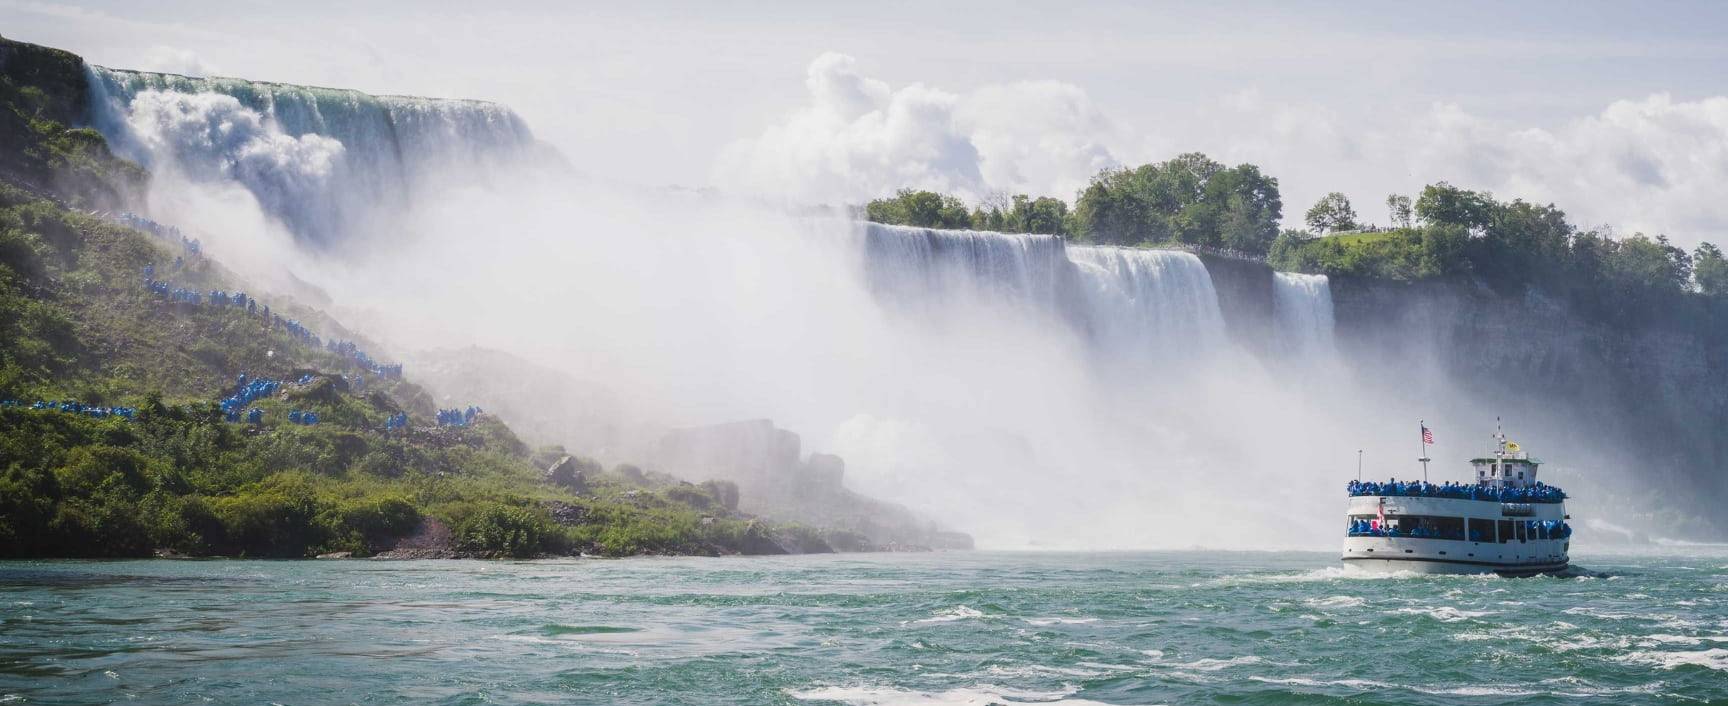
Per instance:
x=945, y=628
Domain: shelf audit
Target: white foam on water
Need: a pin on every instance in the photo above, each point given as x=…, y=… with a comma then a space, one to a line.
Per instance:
x=948, y=615
x=1713, y=658
x=1444, y=614
x=1335, y=602
x=1060, y=621
x=1214, y=665
x=980, y=694
x=1034, y=670
x=1580, y=689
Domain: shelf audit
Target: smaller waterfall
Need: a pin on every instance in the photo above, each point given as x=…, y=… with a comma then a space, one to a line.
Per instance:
x=1302, y=305
x=1147, y=301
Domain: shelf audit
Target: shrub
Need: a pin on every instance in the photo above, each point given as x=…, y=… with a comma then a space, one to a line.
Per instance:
x=503, y=530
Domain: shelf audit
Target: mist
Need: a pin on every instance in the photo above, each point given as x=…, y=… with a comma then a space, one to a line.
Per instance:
x=1032, y=393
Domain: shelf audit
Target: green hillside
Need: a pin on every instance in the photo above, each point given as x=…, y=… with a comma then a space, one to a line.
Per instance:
x=113, y=441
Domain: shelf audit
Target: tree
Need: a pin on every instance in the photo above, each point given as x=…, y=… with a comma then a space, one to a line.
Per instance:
x=923, y=209
x=1332, y=213
x=1044, y=215
x=1398, y=209
x=1445, y=203
x=1638, y=264
x=1710, y=270
x=1189, y=199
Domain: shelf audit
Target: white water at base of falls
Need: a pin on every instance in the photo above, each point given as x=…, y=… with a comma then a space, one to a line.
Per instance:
x=1302, y=310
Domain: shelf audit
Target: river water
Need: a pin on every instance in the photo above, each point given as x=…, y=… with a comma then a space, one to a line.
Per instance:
x=954, y=628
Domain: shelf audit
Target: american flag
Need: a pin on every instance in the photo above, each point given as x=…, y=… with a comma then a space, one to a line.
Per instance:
x=1427, y=435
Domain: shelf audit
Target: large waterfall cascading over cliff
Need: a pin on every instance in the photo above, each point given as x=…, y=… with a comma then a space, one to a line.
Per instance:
x=320, y=160
x=1302, y=308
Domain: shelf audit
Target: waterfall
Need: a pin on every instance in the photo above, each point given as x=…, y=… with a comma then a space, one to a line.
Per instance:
x=1128, y=302
x=1140, y=301
x=912, y=265
x=320, y=160
x=1302, y=307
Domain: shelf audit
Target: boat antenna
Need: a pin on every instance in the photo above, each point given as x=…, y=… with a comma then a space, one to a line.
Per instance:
x=1422, y=438
x=1358, y=465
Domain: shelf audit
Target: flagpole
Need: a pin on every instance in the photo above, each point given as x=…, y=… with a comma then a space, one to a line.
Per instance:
x=1422, y=439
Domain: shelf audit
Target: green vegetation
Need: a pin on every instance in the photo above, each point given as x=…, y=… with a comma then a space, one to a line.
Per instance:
x=78, y=323
x=1190, y=200
x=924, y=209
x=43, y=93
x=1510, y=245
x=1017, y=214
x=1332, y=213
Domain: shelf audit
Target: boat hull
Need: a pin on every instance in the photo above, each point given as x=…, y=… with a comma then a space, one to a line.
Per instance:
x=1440, y=566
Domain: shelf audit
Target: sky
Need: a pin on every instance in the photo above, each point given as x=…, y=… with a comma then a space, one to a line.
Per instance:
x=1614, y=112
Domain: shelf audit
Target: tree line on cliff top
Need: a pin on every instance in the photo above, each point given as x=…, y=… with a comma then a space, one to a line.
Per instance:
x=1195, y=201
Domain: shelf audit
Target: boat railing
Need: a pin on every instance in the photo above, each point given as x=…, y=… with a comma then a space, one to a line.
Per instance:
x=1538, y=493
x=1535, y=529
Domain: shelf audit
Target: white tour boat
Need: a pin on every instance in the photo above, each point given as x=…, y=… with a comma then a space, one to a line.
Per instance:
x=1506, y=522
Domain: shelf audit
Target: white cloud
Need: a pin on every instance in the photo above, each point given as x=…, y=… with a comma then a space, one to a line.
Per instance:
x=857, y=137
x=1655, y=165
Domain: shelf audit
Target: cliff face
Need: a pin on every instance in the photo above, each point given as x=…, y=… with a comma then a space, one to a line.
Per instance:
x=1245, y=296
x=44, y=96
x=1637, y=413
x=1644, y=406
x=58, y=75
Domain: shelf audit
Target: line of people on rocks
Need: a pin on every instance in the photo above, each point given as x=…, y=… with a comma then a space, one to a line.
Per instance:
x=457, y=417
x=1537, y=493
x=132, y=220
x=299, y=331
x=1533, y=529
x=351, y=351
x=73, y=407
x=245, y=391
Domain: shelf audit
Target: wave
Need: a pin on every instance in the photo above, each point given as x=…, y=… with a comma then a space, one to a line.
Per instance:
x=948, y=615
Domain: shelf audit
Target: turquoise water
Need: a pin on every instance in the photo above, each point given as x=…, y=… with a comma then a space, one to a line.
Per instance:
x=955, y=628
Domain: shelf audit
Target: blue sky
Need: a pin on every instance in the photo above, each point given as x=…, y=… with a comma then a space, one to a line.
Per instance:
x=1616, y=112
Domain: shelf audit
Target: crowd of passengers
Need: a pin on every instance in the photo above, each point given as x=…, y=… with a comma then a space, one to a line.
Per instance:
x=1534, y=529
x=1537, y=493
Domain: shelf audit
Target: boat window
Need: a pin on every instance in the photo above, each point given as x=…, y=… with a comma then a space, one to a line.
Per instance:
x=1505, y=531
x=1481, y=530
x=1519, y=526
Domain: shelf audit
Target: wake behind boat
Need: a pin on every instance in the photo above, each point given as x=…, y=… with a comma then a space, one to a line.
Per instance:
x=1507, y=522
